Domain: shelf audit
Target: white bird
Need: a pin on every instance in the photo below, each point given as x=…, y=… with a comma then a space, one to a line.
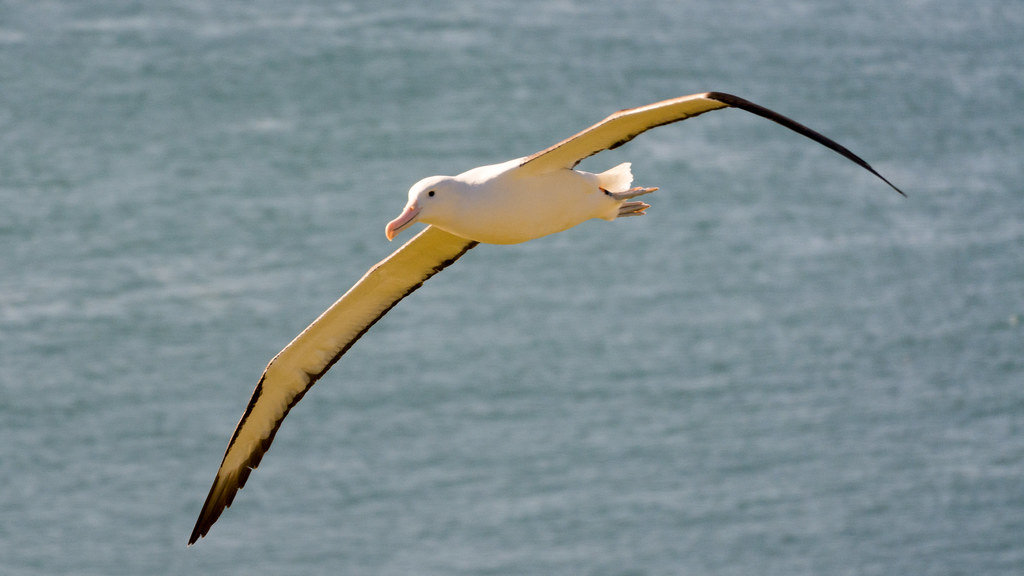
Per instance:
x=505, y=203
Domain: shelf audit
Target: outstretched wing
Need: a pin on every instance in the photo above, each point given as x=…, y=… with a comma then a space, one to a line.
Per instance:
x=296, y=368
x=624, y=125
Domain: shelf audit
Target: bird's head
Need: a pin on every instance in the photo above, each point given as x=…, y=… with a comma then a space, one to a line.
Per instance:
x=432, y=200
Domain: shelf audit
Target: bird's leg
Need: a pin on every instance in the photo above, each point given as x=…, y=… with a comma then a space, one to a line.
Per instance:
x=631, y=208
x=631, y=193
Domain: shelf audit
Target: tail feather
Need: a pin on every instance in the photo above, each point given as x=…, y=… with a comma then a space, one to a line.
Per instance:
x=617, y=179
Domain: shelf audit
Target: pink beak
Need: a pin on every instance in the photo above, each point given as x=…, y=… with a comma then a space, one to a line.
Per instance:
x=405, y=219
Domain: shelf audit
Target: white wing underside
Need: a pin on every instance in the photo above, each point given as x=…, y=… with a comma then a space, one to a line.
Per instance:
x=624, y=125
x=298, y=366
x=617, y=129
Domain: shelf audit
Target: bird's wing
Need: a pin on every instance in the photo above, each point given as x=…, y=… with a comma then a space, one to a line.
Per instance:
x=296, y=368
x=624, y=125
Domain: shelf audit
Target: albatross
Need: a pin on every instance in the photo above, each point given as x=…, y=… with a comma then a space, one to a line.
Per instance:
x=506, y=203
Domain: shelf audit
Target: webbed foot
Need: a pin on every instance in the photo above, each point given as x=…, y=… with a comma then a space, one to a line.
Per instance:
x=631, y=208
x=631, y=193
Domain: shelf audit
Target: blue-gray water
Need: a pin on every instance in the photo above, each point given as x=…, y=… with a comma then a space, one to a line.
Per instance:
x=785, y=368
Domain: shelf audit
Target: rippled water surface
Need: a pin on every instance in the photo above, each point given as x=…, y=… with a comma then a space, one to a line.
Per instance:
x=785, y=368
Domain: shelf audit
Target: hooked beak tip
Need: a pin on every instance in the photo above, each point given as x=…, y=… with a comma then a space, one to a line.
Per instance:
x=405, y=219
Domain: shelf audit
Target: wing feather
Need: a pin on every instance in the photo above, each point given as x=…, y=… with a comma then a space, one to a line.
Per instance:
x=617, y=129
x=300, y=364
x=624, y=125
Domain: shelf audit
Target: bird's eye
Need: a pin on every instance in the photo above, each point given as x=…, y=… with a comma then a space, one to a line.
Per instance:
x=430, y=193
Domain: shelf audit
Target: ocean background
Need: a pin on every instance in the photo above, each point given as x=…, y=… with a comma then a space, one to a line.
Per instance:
x=784, y=369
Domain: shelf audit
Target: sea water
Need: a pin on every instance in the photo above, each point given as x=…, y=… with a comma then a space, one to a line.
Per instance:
x=785, y=368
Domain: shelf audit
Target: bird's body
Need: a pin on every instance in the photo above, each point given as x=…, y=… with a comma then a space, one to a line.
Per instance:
x=504, y=203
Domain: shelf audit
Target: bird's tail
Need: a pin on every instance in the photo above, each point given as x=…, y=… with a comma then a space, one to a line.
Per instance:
x=617, y=179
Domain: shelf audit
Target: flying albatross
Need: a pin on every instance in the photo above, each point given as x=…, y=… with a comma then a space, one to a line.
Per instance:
x=505, y=203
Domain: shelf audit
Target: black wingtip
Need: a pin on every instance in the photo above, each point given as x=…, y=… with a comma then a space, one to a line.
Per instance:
x=196, y=535
x=744, y=104
x=222, y=494
x=204, y=523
